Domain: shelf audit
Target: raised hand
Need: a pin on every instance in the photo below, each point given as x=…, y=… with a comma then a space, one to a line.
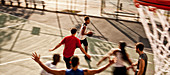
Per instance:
x=112, y=61
x=35, y=57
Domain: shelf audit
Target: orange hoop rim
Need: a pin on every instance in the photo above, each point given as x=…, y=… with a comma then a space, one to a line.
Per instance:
x=156, y=4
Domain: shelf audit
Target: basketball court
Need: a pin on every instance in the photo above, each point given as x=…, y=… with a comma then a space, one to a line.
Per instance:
x=37, y=32
x=21, y=37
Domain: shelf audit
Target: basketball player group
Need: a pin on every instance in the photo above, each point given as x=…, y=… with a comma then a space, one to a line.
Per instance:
x=116, y=56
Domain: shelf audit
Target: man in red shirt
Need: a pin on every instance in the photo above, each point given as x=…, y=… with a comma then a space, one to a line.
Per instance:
x=71, y=42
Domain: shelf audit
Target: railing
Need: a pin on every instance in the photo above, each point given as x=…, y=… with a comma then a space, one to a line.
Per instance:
x=116, y=9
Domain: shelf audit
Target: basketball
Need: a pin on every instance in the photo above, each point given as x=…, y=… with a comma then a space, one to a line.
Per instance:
x=90, y=33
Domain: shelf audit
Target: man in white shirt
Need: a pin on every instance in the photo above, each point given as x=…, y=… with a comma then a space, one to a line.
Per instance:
x=82, y=34
x=51, y=64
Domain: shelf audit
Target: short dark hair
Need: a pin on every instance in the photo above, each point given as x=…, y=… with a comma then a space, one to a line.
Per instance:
x=140, y=45
x=86, y=18
x=122, y=44
x=74, y=61
x=73, y=30
x=56, y=57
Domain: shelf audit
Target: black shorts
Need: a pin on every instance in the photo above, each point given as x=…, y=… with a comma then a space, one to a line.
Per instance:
x=67, y=61
x=120, y=71
x=84, y=42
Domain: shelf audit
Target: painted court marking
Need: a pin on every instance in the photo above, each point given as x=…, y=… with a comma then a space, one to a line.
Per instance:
x=48, y=56
x=12, y=26
x=51, y=56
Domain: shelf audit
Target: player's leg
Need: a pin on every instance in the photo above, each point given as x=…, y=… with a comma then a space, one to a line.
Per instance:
x=67, y=61
x=86, y=48
x=81, y=41
x=85, y=43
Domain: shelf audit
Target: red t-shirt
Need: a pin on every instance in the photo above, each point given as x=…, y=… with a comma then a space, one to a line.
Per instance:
x=71, y=42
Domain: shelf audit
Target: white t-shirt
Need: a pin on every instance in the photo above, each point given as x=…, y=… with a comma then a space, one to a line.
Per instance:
x=50, y=65
x=119, y=61
x=80, y=36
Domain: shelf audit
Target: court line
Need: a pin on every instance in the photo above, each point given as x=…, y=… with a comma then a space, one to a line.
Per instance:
x=65, y=30
x=51, y=56
x=62, y=29
x=19, y=60
x=12, y=26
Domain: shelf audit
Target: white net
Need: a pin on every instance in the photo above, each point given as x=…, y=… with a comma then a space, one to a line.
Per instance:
x=158, y=32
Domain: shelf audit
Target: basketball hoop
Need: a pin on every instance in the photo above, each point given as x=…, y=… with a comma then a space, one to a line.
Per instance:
x=158, y=31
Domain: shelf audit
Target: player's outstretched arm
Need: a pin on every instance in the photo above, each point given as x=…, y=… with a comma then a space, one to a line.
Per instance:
x=94, y=71
x=130, y=62
x=133, y=64
x=56, y=47
x=36, y=58
x=105, y=57
x=82, y=49
x=130, y=68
